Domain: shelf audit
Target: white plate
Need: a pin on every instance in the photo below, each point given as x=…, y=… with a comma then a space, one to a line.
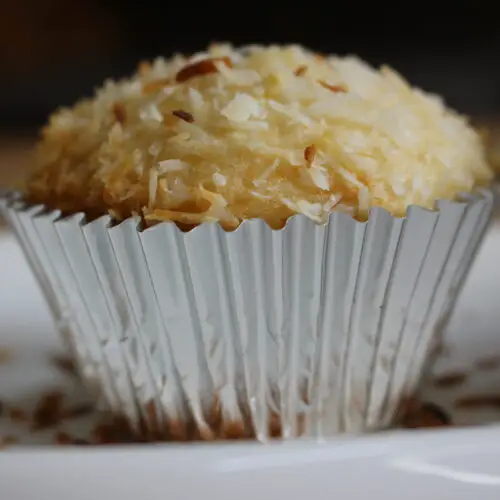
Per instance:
x=454, y=464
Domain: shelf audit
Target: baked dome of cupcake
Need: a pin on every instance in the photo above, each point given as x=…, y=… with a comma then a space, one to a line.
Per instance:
x=261, y=132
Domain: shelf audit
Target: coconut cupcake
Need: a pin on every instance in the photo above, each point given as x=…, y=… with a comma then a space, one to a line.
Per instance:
x=254, y=243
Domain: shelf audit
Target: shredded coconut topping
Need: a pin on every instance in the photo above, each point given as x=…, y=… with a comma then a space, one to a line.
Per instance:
x=262, y=132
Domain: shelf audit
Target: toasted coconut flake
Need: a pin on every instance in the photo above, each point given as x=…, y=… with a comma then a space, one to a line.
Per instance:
x=332, y=88
x=183, y=115
x=171, y=166
x=144, y=68
x=262, y=178
x=120, y=112
x=218, y=208
x=153, y=186
x=156, y=85
x=313, y=211
x=219, y=179
x=242, y=108
x=301, y=70
x=320, y=177
x=196, y=98
x=151, y=113
x=200, y=68
x=309, y=154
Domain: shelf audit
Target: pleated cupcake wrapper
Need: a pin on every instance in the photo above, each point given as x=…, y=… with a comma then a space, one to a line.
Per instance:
x=310, y=330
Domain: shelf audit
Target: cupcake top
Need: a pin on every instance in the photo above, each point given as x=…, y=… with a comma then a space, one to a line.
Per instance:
x=261, y=132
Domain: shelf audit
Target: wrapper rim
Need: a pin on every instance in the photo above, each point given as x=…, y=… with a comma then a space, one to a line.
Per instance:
x=9, y=197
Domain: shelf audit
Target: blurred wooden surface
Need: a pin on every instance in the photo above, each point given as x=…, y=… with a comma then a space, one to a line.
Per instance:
x=14, y=160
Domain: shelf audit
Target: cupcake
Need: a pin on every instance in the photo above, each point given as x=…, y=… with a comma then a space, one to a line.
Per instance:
x=260, y=242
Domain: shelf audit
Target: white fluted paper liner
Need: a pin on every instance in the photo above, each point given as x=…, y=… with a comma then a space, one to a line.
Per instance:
x=314, y=329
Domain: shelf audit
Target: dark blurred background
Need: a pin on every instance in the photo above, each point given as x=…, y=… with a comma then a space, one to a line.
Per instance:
x=53, y=51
